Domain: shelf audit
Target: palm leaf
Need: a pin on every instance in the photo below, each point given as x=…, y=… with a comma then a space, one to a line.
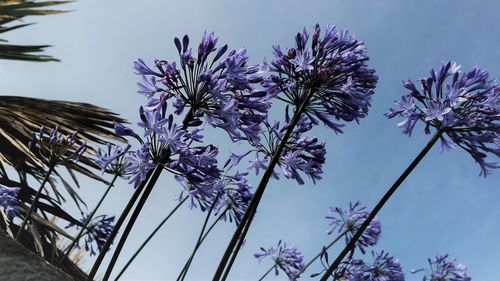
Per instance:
x=14, y=11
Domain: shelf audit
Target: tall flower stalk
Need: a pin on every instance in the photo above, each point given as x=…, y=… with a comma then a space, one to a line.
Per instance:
x=53, y=149
x=129, y=262
x=463, y=108
x=215, y=86
x=328, y=81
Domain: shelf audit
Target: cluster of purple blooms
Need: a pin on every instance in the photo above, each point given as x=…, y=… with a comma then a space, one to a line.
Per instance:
x=56, y=147
x=464, y=106
x=8, y=200
x=217, y=90
x=330, y=78
x=383, y=268
x=286, y=258
x=349, y=220
x=113, y=159
x=444, y=269
x=214, y=85
x=97, y=232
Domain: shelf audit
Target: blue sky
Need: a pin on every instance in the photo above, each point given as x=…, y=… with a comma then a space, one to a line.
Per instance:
x=443, y=207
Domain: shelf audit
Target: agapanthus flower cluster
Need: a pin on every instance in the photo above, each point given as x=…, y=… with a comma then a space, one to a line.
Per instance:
x=348, y=221
x=214, y=84
x=301, y=153
x=384, y=268
x=97, y=232
x=166, y=139
x=113, y=159
x=233, y=194
x=8, y=200
x=286, y=258
x=444, y=269
x=330, y=76
x=465, y=106
x=56, y=147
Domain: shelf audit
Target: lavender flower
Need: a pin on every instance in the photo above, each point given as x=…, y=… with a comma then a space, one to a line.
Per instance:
x=8, y=200
x=97, y=232
x=56, y=147
x=350, y=220
x=113, y=159
x=383, y=268
x=331, y=76
x=287, y=258
x=234, y=195
x=215, y=85
x=442, y=269
x=138, y=165
x=301, y=154
x=465, y=106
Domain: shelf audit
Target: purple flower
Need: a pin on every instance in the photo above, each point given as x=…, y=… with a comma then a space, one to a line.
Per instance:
x=465, y=106
x=330, y=75
x=152, y=122
x=56, y=147
x=171, y=135
x=112, y=159
x=234, y=195
x=257, y=164
x=138, y=165
x=383, y=268
x=97, y=232
x=216, y=85
x=300, y=155
x=348, y=222
x=8, y=200
x=287, y=258
x=125, y=131
x=444, y=269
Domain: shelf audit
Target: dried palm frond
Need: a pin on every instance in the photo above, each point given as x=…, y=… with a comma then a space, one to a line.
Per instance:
x=12, y=13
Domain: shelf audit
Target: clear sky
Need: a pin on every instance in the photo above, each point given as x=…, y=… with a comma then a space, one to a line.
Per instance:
x=443, y=207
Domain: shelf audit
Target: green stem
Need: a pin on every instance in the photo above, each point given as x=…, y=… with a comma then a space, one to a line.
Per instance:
x=241, y=231
x=202, y=236
x=320, y=253
x=116, y=228
x=147, y=191
x=89, y=219
x=133, y=218
x=149, y=238
x=35, y=200
x=189, y=116
x=267, y=273
x=352, y=243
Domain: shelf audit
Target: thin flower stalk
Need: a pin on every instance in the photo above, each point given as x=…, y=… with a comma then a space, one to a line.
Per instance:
x=35, y=200
x=164, y=156
x=352, y=243
x=244, y=225
x=185, y=269
x=267, y=272
x=89, y=219
x=129, y=262
x=321, y=253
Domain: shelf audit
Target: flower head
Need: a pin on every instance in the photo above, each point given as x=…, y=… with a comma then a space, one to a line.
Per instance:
x=444, y=269
x=97, y=232
x=8, y=200
x=330, y=75
x=216, y=84
x=139, y=164
x=287, y=258
x=464, y=106
x=350, y=220
x=383, y=268
x=113, y=159
x=57, y=146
